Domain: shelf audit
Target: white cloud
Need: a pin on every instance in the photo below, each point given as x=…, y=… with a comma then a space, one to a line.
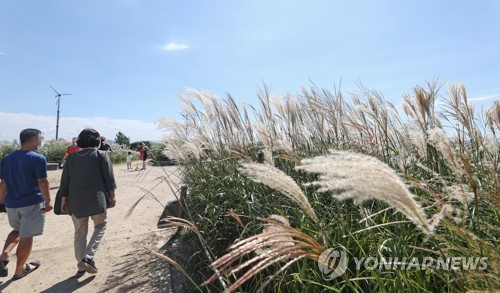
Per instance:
x=2, y=53
x=13, y=123
x=174, y=47
x=482, y=98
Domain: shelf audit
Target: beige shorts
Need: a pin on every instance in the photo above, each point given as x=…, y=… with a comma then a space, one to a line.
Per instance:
x=29, y=221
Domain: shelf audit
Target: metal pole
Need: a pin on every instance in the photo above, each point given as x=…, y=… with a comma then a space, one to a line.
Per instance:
x=57, y=124
x=58, y=96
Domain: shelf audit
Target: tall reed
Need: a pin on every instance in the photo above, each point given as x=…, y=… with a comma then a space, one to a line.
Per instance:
x=397, y=166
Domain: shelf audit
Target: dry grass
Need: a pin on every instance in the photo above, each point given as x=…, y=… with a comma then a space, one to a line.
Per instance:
x=282, y=243
x=361, y=177
x=455, y=176
x=277, y=179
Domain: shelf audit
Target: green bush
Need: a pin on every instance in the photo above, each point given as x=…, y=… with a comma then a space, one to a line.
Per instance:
x=119, y=154
x=54, y=150
x=135, y=145
x=157, y=154
x=6, y=149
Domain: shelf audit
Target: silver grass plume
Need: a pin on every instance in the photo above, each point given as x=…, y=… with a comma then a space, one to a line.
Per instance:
x=282, y=241
x=268, y=156
x=417, y=138
x=300, y=246
x=277, y=179
x=460, y=193
x=362, y=177
x=194, y=149
x=447, y=210
x=492, y=115
x=437, y=138
x=490, y=145
x=284, y=145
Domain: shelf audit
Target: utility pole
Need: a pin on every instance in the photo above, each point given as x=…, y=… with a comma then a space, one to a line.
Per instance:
x=58, y=96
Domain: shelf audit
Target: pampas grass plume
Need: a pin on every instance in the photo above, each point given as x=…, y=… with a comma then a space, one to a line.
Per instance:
x=362, y=177
x=278, y=180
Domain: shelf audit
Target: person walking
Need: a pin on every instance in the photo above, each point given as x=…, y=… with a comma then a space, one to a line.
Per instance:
x=129, y=160
x=24, y=189
x=73, y=148
x=87, y=189
x=105, y=146
x=144, y=154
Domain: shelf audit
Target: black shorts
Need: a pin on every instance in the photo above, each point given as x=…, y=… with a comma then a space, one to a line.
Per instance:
x=145, y=158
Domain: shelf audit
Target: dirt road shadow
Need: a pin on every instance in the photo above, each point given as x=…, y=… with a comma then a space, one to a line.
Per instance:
x=145, y=272
x=141, y=271
x=70, y=284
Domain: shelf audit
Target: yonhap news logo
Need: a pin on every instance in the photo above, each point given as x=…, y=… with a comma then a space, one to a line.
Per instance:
x=332, y=263
x=459, y=263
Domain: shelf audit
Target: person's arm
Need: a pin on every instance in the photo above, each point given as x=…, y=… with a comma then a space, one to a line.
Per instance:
x=112, y=198
x=64, y=204
x=3, y=190
x=43, y=184
x=64, y=189
x=108, y=176
x=107, y=171
x=64, y=158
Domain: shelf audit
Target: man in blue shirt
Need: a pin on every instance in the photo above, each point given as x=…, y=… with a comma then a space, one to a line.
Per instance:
x=24, y=189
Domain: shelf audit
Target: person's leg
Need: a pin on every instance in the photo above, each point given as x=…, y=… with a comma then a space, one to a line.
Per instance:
x=10, y=244
x=14, y=216
x=32, y=221
x=98, y=235
x=96, y=239
x=80, y=238
x=23, y=252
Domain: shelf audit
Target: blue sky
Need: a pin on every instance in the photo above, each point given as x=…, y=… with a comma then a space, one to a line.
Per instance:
x=124, y=61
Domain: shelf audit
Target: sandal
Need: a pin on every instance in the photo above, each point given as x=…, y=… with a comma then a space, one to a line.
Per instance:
x=3, y=268
x=27, y=270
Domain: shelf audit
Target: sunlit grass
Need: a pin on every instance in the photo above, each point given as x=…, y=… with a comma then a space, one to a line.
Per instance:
x=399, y=185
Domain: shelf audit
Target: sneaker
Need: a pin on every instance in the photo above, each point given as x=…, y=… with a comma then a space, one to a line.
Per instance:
x=89, y=265
x=80, y=273
x=81, y=266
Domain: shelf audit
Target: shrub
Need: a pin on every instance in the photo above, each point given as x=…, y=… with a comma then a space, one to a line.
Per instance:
x=119, y=154
x=54, y=150
x=157, y=154
x=6, y=149
x=135, y=145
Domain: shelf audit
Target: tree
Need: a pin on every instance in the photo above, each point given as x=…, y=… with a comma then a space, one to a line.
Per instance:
x=122, y=139
x=135, y=144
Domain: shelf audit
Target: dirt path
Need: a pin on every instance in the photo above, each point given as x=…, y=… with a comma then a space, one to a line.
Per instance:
x=124, y=265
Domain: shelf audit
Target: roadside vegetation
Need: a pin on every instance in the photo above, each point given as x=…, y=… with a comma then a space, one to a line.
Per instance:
x=54, y=151
x=270, y=187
